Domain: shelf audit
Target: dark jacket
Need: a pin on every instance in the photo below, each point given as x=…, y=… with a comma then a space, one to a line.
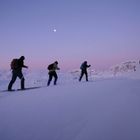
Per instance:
x=84, y=66
x=54, y=67
x=21, y=64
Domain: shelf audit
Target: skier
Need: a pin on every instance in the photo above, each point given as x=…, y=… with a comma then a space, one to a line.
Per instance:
x=83, y=68
x=16, y=66
x=52, y=72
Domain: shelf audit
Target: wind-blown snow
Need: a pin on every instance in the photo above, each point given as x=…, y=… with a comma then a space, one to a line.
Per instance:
x=101, y=109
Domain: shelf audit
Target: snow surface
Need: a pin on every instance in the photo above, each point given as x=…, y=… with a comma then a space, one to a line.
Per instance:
x=105, y=108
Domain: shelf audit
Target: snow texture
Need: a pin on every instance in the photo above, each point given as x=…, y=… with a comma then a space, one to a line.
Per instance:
x=105, y=108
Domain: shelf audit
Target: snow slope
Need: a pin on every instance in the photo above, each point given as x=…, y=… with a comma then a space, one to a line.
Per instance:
x=101, y=109
x=98, y=110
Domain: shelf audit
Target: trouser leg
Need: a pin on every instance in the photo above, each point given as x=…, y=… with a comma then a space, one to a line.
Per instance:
x=55, y=78
x=86, y=74
x=22, y=82
x=14, y=76
x=50, y=78
x=82, y=73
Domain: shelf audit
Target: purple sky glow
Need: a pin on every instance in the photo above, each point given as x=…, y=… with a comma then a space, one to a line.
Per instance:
x=103, y=32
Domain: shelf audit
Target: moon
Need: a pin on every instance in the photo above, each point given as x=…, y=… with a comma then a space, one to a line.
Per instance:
x=54, y=30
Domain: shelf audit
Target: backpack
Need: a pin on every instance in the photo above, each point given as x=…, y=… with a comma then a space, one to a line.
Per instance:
x=82, y=66
x=50, y=67
x=14, y=63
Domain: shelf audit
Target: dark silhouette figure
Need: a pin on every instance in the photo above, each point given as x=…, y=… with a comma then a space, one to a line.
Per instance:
x=17, y=72
x=52, y=72
x=83, y=68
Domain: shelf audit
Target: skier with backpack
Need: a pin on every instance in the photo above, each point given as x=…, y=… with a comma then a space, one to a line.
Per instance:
x=83, y=68
x=52, y=72
x=16, y=66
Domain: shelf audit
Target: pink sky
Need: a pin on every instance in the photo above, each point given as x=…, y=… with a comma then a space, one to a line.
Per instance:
x=102, y=32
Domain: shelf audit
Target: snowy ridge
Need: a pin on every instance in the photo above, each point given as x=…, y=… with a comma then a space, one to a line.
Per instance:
x=130, y=69
x=124, y=67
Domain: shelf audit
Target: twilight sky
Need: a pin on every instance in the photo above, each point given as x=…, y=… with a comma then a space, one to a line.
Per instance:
x=103, y=32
